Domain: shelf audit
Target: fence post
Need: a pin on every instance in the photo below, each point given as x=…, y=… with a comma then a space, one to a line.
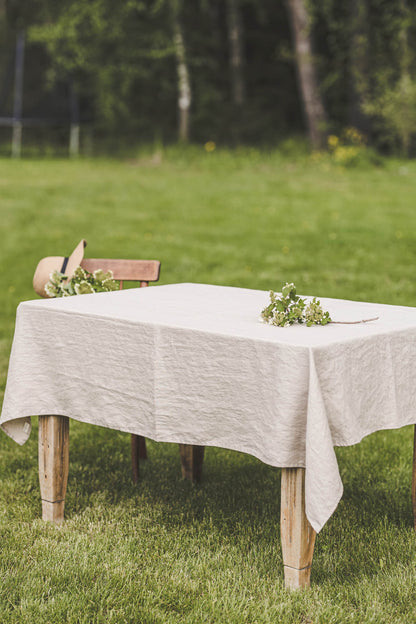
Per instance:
x=74, y=127
x=18, y=95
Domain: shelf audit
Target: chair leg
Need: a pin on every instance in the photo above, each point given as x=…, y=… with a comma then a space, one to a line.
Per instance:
x=142, y=447
x=192, y=458
x=414, y=481
x=138, y=451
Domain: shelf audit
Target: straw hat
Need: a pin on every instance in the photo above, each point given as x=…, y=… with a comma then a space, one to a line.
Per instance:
x=65, y=265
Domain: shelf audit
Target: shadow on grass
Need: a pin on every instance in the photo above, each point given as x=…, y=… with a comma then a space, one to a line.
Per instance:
x=232, y=483
x=376, y=475
x=238, y=498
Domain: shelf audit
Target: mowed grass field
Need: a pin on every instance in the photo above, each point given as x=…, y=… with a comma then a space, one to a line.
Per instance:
x=166, y=551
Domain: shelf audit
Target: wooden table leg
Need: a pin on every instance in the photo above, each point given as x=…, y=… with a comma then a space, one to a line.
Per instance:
x=298, y=537
x=192, y=458
x=138, y=451
x=53, y=465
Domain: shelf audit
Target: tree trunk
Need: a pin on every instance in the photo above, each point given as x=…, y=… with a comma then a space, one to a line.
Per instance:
x=404, y=40
x=308, y=83
x=358, y=63
x=18, y=95
x=235, y=40
x=405, y=77
x=184, y=84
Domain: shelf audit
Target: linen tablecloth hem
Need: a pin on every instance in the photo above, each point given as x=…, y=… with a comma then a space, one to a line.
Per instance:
x=18, y=429
x=319, y=525
x=360, y=438
x=22, y=437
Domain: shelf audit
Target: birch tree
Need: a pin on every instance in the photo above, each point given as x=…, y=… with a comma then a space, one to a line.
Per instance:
x=358, y=64
x=182, y=70
x=235, y=39
x=313, y=107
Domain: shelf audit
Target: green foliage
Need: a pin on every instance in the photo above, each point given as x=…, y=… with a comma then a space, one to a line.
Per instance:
x=366, y=52
x=82, y=282
x=350, y=149
x=395, y=108
x=111, y=50
x=290, y=309
x=120, y=58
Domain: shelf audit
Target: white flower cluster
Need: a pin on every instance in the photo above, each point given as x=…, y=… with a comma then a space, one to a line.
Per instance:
x=290, y=308
x=81, y=283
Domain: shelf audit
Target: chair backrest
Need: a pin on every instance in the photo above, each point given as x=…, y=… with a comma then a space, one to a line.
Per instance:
x=143, y=271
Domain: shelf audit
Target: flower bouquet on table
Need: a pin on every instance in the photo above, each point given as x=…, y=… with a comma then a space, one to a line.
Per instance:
x=290, y=308
x=81, y=283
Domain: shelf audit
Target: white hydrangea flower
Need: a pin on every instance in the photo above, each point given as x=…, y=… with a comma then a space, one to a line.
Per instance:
x=83, y=288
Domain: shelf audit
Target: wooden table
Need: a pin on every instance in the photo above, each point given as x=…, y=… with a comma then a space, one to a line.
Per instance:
x=190, y=363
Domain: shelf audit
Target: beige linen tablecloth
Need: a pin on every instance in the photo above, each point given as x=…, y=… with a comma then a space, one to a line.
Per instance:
x=191, y=363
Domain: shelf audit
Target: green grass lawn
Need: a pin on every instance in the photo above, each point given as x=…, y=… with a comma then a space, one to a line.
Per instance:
x=166, y=551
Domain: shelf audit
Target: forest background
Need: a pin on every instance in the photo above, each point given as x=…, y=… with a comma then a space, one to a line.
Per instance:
x=223, y=72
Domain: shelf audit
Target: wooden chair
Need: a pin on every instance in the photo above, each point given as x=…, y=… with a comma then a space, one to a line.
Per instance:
x=145, y=271
x=142, y=271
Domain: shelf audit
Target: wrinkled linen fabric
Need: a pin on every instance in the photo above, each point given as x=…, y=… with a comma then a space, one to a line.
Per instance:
x=192, y=363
